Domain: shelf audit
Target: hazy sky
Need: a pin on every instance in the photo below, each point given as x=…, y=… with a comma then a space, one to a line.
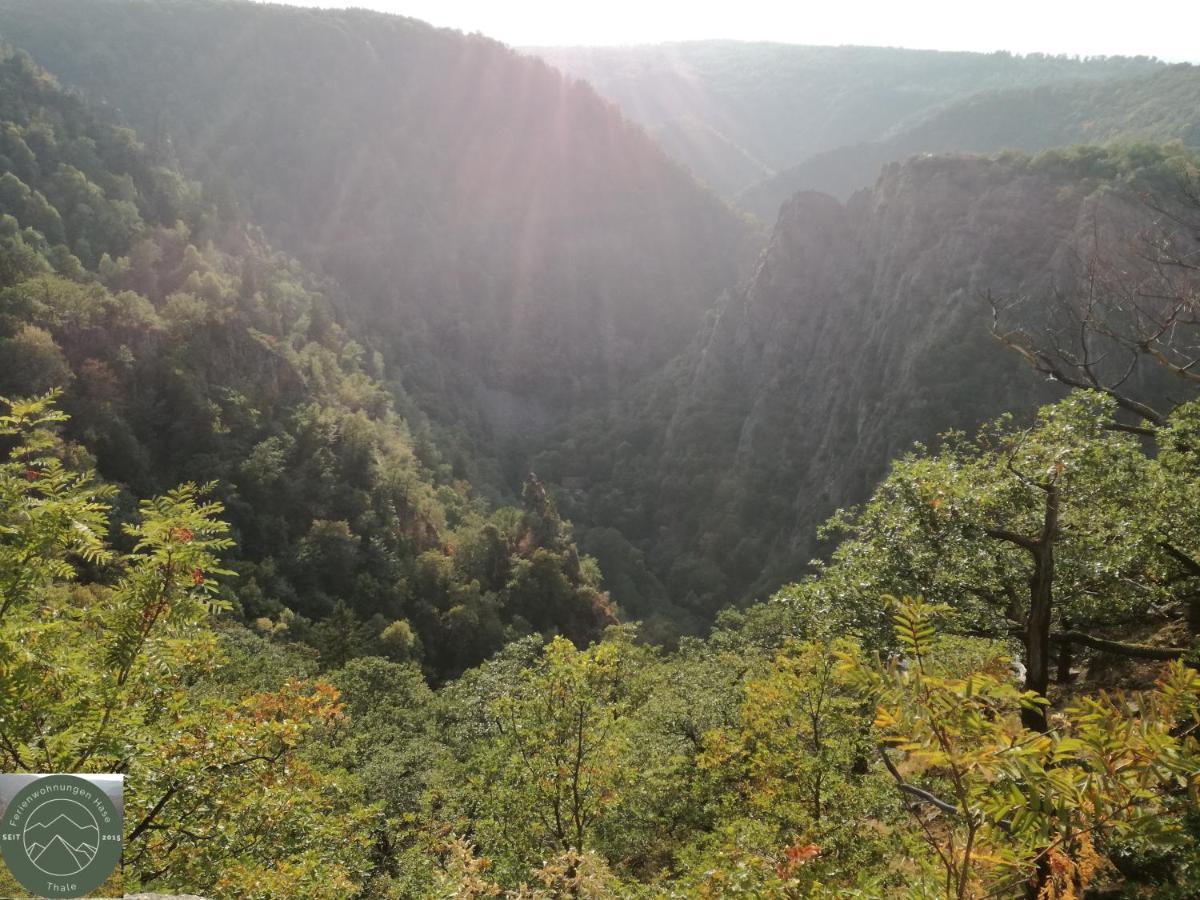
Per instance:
x=1169, y=29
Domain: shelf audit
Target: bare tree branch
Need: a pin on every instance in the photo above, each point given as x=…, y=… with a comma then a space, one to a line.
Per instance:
x=913, y=791
x=1135, y=651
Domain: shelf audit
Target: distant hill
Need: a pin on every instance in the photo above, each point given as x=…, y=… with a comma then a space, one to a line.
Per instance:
x=1162, y=106
x=737, y=113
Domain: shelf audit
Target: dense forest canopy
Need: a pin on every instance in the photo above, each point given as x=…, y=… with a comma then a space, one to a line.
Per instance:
x=188, y=350
x=400, y=490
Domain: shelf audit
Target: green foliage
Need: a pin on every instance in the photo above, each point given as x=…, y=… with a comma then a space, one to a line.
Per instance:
x=965, y=526
x=1006, y=807
x=243, y=813
x=744, y=765
x=107, y=662
x=554, y=764
x=68, y=708
x=51, y=513
x=796, y=804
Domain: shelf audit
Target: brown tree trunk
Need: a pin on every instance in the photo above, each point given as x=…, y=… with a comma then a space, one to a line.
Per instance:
x=1034, y=886
x=1191, y=567
x=1037, y=636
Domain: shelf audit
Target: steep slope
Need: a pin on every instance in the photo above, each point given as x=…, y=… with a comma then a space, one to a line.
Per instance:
x=736, y=113
x=514, y=246
x=865, y=329
x=189, y=351
x=1162, y=106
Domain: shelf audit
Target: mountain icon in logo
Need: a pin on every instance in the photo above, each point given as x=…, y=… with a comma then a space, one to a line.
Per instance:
x=61, y=837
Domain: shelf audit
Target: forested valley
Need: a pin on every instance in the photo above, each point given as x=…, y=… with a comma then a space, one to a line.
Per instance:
x=425, y=473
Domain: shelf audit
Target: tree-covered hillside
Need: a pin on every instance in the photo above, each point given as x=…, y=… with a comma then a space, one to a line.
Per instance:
x=511, y=243
x=1158, y=107
x=737, y=113
x=189, y=351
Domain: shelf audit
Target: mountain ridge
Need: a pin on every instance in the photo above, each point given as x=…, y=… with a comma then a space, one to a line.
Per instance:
x=59, y=858
x=1153, y=107
x=781, y=103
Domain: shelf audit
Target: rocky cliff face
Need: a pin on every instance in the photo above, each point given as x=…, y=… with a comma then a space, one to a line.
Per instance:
x=865, y=328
